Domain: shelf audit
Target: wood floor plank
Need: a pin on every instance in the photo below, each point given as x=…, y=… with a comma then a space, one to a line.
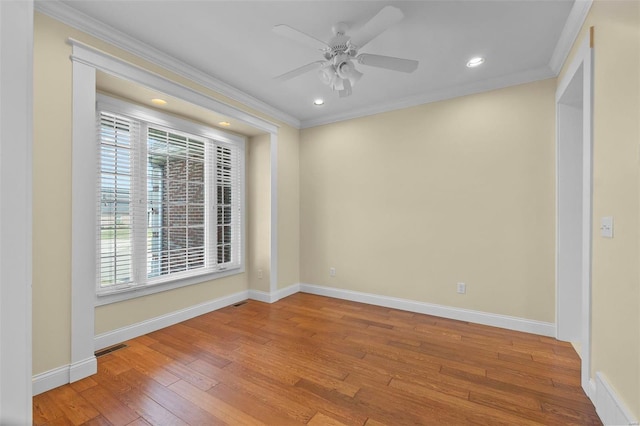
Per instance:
x=139, y=422
x=82, y=385
x=183, y=408
x=252, y=406
x=46, y=408
x=147, y=367
x=135, y=399
x=323, y=420
x=111, y=408
x=314, y=360
x=75, y=408
x=256, y=387
x=213, y=405
x=174, y=367
x=98, y=421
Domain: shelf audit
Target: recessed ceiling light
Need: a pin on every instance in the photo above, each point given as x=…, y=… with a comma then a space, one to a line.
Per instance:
x=158, y=101
x=224, y=123
x=318, y=102
x=474, y=62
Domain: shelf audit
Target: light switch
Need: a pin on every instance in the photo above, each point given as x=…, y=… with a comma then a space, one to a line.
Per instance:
x=606, y=227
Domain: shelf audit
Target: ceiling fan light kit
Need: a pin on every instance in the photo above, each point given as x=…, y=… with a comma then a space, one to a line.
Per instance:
x=337, y=70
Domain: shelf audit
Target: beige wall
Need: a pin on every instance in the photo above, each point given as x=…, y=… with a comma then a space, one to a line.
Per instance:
x=615, y=275
x=51, y=199
x=52, y=205
x=132, y=311
x=410, y=202
x=259, y=219
x=288, y=207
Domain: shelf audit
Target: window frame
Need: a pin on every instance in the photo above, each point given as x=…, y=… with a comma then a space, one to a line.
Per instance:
x=179, y=125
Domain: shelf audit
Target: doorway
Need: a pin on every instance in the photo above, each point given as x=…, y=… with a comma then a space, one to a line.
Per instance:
x=574, y=171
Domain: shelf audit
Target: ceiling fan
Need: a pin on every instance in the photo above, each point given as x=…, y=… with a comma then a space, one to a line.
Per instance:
x=337, y=69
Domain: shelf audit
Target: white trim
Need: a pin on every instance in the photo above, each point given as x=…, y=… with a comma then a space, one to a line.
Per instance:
x=93, y=27
x=568, y=213
x=585, y=54
x=128, y=71
x=436, y=96
x=83, y=368
x=263, y=296
x=83, y=235
x=592, y=390
x=51, y=379
x=610, y=408
x=583, y=60
x=478, y=317
x=114, y=337
x=260, y=296
x=287, y=291
x=273, y=258
x=171, y=121
x=571, y=29
x=16, y=168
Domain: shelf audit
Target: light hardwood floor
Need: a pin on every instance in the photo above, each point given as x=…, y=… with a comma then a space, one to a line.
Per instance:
x=319, y=361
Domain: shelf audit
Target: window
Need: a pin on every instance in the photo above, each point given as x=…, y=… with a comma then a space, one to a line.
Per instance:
x=169, y=199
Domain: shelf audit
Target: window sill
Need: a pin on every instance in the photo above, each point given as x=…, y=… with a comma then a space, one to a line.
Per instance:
x=132, y=293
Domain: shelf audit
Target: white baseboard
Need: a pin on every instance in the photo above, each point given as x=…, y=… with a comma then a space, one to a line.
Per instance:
x=495, y=320
x=81, y=369
x=263, y=296
x=50, y=379
x=114, y=337
x=287, y=291
x=610, y=408
x=63, y=375
x=70, y=373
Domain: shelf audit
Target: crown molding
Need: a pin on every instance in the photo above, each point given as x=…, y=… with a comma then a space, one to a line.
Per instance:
x=70, y=16
x=569, y=33
x=66, y=14
x=437, y=95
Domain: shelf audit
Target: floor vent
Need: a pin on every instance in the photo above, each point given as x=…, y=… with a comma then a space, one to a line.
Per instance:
x=239, y=303
x=109, y=350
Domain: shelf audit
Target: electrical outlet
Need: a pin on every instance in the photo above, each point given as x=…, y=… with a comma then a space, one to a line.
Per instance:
x=332, y=272
x=606, y=227
x=462, y=288
x=259, y=274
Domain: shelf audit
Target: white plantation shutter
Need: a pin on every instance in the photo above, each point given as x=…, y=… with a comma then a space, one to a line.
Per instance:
x=228, y=206
x=169, y=203
x=116, y=135
x=177, y=204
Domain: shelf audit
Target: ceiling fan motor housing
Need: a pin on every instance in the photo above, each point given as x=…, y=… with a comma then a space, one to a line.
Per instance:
x=340, y=45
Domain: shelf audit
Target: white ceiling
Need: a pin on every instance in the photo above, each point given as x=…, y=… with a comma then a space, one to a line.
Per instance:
x=232, y=42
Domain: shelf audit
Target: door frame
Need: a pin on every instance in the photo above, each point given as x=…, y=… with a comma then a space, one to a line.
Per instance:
x=16, y=135
x=581, y=63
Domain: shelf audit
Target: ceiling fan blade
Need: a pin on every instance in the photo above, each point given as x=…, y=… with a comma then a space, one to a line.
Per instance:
x=300, y=37
x=388, y=16
x=299, y=71
x=388, y=62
